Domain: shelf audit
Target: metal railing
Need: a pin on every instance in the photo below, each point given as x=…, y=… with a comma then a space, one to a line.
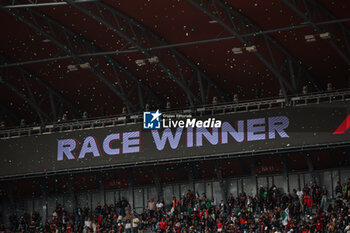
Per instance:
x=200, y=111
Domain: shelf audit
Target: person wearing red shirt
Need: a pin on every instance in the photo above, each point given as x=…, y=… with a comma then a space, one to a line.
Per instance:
x=309, y=204
x=204, y=214
x=242, y=221
x=69, y=228
x=99, y=219
x=220, y=226
x=319, y=225
x=162, y=225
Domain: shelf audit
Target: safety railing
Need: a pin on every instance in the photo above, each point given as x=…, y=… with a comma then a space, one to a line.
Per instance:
x=201, y=111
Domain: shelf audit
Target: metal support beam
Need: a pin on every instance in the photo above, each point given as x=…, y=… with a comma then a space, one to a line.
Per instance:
x=32, y=77
x=10, y=113
x=191, y=178
x=161, y=47
x=309, y=11
x=54, y=96
x=141, y=37
x=44, y=187
x=234, y=22
x=70, y=42
x=253, y=173
x=42, y=115
x=44, y=193
x=244, y=168
x=9, y=192
x=330, y=16
x=195, y=170
x=99, y=180
x=335, y=159
x=131, y=182
x=181, y=171
x=157, y=182
x=71, y=191
x=223, y=184
x=56, y=185
x=17, y=4
x=99, y=177
x=310, y=166
x=309, y=163
x=130, y=178
x=285, y=170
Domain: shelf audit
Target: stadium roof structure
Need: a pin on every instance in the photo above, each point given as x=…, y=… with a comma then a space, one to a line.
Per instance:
x=96, y=57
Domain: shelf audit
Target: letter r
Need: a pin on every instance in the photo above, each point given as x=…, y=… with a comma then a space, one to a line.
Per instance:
x=65, y=147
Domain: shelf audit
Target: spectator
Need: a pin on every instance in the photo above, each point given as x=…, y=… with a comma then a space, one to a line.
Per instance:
x=135, y=224
x=174, y=205
x=128, y=226
x=162, y=225
x=338, y=189
x=347, y=192
x=13, y=221
x=324, y=198
x=243, y=213
x=87, y=222
x=159, y=206
x=151, y=207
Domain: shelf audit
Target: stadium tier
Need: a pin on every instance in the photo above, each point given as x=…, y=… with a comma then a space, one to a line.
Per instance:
x=175, y=116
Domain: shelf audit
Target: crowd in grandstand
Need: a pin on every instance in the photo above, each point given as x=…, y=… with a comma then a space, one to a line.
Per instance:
x=306, y=210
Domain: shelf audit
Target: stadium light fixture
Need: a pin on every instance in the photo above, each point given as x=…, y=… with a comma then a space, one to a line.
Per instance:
x=153, y=59
x=310, y=38
x=251, y=49
x=72, y=68
x=85, y=65
x=237, y=51
x=325, y=35
x=140, y=62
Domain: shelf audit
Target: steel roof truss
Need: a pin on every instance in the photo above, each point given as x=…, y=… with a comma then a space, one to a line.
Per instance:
x=72, y=43
x=141, y=38
x=51, y=92
x=303, y=10
x=235, y=23
x=6, y=111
